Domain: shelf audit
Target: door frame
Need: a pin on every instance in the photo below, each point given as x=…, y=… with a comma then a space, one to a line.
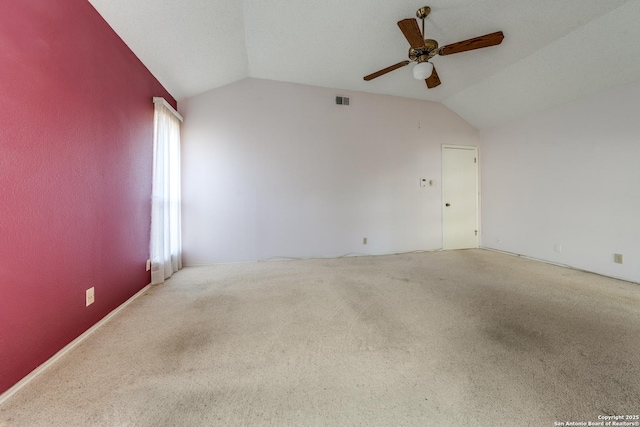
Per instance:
x=477, y=192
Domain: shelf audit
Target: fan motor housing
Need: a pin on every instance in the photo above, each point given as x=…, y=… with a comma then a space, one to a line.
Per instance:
x=425, y=53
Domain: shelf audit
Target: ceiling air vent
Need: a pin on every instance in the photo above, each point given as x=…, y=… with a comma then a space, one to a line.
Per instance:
x=342, y=100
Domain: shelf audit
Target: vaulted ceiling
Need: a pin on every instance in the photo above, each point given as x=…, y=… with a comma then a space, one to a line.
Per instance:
x=553, y=52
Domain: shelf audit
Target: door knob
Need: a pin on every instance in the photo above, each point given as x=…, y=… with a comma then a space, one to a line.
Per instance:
x=447, y=205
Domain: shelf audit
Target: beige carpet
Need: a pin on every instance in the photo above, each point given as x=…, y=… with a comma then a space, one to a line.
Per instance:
x=459, y=338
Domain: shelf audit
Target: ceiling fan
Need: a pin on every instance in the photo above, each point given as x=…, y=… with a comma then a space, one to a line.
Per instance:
x=422, y=50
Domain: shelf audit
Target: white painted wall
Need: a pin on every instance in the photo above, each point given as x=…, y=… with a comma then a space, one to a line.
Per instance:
x=276, y=169
x=568, y=176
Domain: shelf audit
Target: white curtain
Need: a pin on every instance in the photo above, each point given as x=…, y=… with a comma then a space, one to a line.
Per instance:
x=166, y=239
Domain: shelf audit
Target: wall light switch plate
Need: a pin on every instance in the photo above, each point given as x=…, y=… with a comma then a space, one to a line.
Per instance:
x=90, y=296
x=423, y=182
x=148, y=264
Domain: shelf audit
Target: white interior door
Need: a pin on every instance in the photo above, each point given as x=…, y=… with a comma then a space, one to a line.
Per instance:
x=460, y=197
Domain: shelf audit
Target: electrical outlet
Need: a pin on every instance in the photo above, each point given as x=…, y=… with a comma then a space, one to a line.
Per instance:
x=148, y=264
x=617, y=258
x=90, y=296
x=557, y=247
x=364, y=240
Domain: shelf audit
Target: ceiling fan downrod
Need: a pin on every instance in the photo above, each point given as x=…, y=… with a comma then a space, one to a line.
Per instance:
x=422, y=13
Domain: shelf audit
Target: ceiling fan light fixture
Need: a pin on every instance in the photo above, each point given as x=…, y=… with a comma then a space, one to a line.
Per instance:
x=422, y=70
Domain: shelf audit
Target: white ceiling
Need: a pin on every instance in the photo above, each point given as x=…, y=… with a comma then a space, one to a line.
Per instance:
x=554, y=51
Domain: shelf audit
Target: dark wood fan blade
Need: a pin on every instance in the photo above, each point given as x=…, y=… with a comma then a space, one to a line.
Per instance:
x=433, y=79
x=471, y=44
x=411, y=31
x=386, y=70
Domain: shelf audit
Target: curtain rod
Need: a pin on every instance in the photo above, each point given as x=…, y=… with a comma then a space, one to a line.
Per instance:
x=166, y=104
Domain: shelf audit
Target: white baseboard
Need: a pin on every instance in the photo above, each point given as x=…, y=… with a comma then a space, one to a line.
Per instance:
x=53, y=359
x=288, y=258
x=558, y=264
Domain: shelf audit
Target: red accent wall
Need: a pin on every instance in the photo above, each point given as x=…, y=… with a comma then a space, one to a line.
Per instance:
x=76, y=135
